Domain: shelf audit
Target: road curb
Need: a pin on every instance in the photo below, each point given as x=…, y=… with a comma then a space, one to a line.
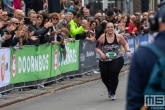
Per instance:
x=54, y=90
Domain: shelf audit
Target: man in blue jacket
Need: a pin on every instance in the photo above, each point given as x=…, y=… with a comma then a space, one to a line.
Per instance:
x=141, y=67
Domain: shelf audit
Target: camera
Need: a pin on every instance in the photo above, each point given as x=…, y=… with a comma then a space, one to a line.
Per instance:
x=59, y=39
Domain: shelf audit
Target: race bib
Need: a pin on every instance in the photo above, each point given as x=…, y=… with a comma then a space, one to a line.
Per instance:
x=111, y=55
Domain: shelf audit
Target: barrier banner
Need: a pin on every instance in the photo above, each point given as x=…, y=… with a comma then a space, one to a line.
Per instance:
x=30, y=63
x=144, y=39
x=65, y=60
x=123, y=52
x=131, y=44
x=137, y=42
x=4, y=67
x=87, y=54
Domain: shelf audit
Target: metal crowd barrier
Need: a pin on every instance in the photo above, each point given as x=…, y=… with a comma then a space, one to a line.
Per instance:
x=84, y=67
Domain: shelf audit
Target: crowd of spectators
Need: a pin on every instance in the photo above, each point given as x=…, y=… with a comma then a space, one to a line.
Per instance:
x=27, y=22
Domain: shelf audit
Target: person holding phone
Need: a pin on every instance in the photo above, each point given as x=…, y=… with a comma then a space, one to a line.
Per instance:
x=4, y=37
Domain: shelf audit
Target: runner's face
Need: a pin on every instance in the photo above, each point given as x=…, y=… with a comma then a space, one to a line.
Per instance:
x=110, y=28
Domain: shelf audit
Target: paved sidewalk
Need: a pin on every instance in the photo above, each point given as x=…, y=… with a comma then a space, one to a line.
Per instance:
x=15, y=97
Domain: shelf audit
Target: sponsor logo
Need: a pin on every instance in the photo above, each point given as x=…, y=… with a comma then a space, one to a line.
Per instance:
x=82, y=57
x=27, y=64
x=3, y=67
x=84, y=44
x=14, y=66
x=55, y=60
x=90, y=54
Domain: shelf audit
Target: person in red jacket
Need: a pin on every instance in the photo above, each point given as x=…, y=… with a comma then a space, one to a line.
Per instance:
x=17, y=4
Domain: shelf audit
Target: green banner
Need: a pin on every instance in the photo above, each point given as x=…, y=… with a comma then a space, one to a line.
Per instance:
x=30, y=63
x=65, y=60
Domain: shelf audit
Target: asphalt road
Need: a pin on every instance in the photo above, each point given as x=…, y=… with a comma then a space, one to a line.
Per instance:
x=90, y=96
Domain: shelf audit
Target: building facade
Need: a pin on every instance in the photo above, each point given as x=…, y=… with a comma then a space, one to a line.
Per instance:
x=126, y=6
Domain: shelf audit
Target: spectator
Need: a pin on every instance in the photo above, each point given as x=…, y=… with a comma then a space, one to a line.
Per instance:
x=98, y=20
x=55, y=18
x=78, y=5
x=110, y=16
x=63, y=6
x=93, y=25
x=86, y=15
x=99, y=15
x=45, y=19
x=19, y=14
x=71, y=6
x=60, y=37
x=89, y=7
x=8, y=5
x=31, y=11
x=74, y=13
x=116, y=10
x=27, y=6
x=138, y=15
x=37, y=31
x=87, y=33
x=132, y=20
x=39, y=20
x=65, y=22
x=118, y=19
x=74, y=29
x=17, y=4
x=37, y=5
x=81, y=11
x=11, y=28
x=3, y=38
x=4, y=16
x=62, y=16
x=101, y=29
x=23, y=37
x=136, y=28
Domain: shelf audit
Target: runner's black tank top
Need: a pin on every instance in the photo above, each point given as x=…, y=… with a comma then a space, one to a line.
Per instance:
x=111, y=50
